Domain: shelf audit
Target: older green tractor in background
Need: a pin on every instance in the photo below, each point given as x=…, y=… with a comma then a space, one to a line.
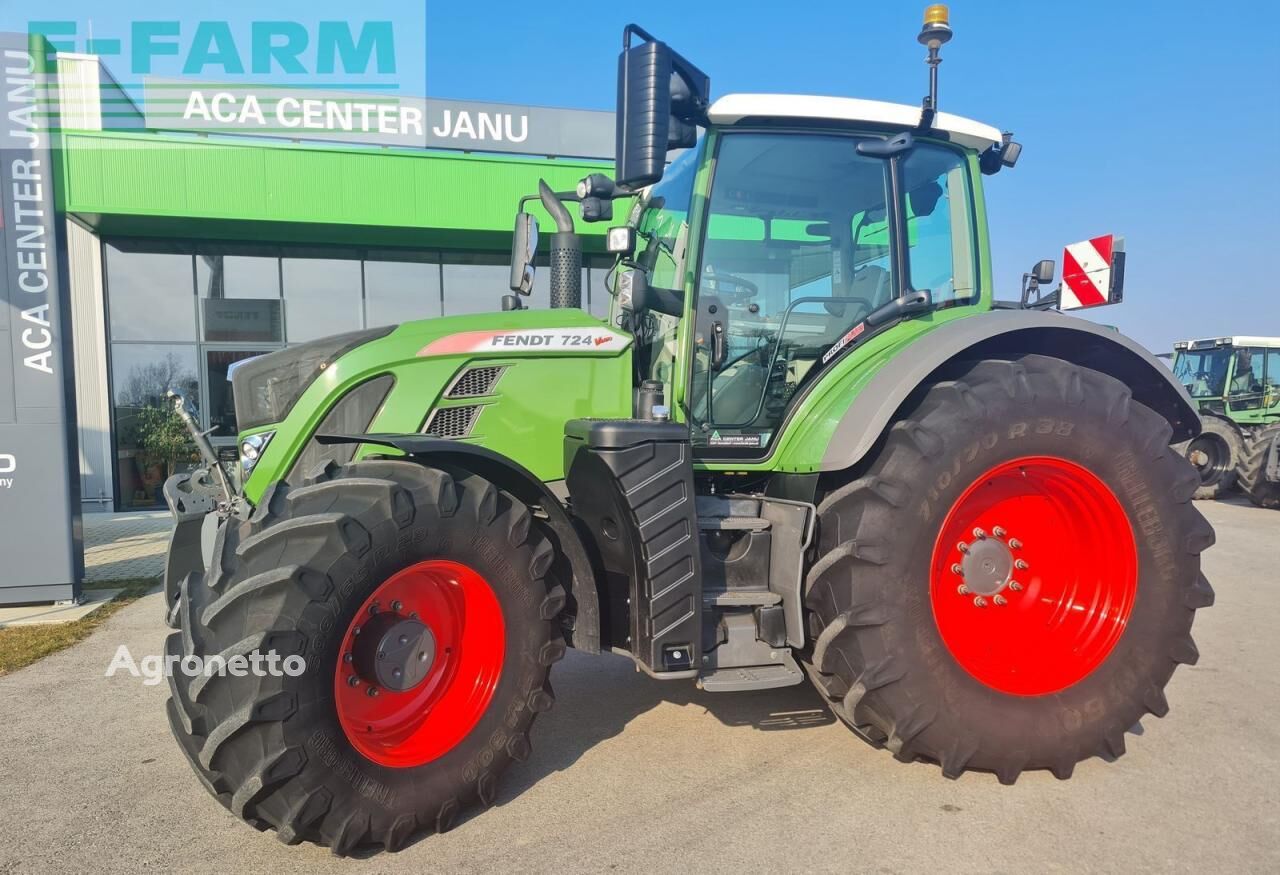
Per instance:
x=806, y=442
x=1235, y=383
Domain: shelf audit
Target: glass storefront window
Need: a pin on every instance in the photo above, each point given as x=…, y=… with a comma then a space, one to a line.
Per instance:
x=150, y=290
x=150, y=439
x=474, y=282
x=598, y=268
x=401, y=287
x=322, y=295
x=239, y=288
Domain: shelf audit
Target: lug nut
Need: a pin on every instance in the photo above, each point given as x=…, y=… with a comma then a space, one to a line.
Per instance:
x=979, y=534
x=372, y=692
x=1015, y=586
x=414, y=615
x=956, y=569
x=353, y=681
x=962, y=589
x=979, y=602
x=382, y=654
x=999, y=600
x=404, y=639
x=347, y=657
x=962, y=547
x=395, y=672
x=1021, y=565
x=355, y=631
x=396, y=606
x=998, y=531
x=373, y=608
x=1015, y=544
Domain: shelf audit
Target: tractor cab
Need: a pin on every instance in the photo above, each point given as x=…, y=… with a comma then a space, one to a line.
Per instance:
x=1235, y=377
x=790, y=231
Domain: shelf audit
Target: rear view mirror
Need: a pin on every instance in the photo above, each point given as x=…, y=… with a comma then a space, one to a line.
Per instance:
x=1043, y=271
x=524, y=246
x=661, y=99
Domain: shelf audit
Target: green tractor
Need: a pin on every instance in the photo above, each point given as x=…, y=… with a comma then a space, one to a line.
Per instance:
x=1235, y=383
x=806, y=442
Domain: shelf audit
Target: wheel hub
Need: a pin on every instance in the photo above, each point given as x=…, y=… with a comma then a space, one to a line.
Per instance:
x=394, y=652
x=987, y=566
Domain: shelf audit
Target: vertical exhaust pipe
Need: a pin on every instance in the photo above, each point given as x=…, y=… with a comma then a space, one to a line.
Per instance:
x=566, y=252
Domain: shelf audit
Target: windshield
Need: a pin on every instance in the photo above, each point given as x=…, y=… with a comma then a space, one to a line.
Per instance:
x=1203, y=372
x=797, y=253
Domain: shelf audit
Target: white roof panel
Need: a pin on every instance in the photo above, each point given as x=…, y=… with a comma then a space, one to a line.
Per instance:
x=733, y=108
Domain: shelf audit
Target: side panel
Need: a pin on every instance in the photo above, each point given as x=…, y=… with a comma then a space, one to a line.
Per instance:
x=523, y=419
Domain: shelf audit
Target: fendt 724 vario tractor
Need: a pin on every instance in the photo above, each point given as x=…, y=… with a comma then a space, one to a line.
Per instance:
x=806, y=441
x=1235, y=383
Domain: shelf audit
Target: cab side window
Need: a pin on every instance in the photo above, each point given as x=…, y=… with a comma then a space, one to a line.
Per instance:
x=939, y=223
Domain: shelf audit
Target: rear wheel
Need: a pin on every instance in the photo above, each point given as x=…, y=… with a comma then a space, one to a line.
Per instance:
x=1215, y=453
x=1012, y=581
x=1252, y=470
x=422, y=606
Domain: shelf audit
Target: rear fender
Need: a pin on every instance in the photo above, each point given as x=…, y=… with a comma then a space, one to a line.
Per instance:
x=520, y=482
x=1006, y=334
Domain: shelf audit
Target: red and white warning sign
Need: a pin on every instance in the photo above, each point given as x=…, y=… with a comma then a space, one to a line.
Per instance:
x=1092, y=272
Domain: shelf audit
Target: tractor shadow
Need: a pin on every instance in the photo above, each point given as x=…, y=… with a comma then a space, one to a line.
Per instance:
x=597, y=696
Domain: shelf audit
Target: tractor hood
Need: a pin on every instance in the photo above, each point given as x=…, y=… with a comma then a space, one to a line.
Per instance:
x=507, y=380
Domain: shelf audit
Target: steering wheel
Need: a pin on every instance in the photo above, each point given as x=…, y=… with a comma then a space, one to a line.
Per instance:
x=728, y=286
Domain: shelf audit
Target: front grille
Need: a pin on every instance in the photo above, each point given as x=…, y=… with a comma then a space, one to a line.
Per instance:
x=474, y=382
x=453, y=422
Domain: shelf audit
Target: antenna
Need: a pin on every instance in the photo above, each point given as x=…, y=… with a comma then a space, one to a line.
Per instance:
x=935, y=32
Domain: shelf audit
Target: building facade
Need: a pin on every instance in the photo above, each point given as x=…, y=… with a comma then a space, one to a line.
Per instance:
x=186, y=253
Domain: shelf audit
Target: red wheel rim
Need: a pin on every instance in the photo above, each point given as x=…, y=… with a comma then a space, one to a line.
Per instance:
x=464, y=645
x=1072, y=575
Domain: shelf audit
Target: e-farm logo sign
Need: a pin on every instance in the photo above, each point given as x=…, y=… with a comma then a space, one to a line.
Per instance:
x=223, y=48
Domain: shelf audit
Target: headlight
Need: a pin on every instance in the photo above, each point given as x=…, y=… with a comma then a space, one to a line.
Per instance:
x=267, y=387
x=251, y=450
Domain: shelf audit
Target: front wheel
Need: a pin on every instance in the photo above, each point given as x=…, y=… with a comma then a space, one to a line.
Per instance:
x=1012, y=581
x=421, y=604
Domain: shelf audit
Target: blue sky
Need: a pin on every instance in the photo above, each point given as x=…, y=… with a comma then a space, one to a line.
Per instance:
x=1158, y=121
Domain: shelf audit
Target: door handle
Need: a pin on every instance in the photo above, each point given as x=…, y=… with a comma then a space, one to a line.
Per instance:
x=718, y=345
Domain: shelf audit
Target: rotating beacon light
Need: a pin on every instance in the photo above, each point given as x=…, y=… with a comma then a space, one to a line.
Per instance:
x=935, y=32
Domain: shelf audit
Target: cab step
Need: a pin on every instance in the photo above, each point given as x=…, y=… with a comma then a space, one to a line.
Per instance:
x=784, y=673
x=740, y=598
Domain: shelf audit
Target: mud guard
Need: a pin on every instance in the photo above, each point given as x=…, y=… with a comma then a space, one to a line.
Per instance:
x=520, y=482
x=1003, y=334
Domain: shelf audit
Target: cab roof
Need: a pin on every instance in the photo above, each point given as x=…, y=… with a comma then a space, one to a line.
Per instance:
x=733, y=108
x=1238, y=340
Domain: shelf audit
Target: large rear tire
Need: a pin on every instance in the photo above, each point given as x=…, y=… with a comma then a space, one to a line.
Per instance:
x=1215, y=453
x=1011, y=581
x=422, y=605
x=1251, y=472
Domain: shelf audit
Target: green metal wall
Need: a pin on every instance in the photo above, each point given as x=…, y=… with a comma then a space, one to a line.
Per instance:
x=148, y=184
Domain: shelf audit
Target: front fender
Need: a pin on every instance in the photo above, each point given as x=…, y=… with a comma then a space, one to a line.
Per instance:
x=520, y=482
x=1005, y=334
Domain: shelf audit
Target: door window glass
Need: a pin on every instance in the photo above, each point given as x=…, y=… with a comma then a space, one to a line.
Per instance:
x=795, y=256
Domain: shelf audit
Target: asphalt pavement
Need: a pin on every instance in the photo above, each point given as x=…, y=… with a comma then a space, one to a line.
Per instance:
x=633, y=775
